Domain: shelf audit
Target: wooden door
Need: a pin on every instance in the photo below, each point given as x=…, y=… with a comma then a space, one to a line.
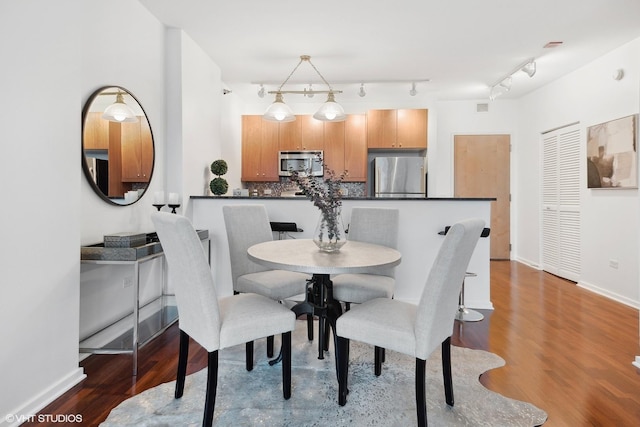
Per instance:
x=482, y=169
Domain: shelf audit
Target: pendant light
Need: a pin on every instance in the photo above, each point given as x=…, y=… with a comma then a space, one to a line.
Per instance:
x=119, y=111
x=330, y=111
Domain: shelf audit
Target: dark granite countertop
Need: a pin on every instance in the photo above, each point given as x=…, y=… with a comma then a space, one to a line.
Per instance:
x=427, y=199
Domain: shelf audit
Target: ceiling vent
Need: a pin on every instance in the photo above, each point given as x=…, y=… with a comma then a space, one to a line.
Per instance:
x=482, y=108
x=551, y=45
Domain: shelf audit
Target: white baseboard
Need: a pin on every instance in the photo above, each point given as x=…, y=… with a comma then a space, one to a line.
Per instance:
x=528, y=262
x=611, y=295
x=32, y=407
x=636, y=362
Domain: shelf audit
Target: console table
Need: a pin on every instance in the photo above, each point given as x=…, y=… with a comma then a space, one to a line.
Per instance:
x=164, y=314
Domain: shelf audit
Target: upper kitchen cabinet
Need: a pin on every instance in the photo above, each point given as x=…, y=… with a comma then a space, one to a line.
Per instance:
x=397, y=129
x=96, y=132
x=305, y=133
x=260, y=139
x=137, y=151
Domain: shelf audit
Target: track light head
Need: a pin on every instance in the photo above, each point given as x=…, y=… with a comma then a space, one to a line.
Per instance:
x=529, y=68
x=361, y=92
x=261, y=91
x=413, y=91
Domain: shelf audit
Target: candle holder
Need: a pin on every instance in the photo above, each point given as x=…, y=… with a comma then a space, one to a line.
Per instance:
x=173, y=207
x=158, y=206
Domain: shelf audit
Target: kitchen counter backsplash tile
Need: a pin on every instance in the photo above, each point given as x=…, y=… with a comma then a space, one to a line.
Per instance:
x=352, y=189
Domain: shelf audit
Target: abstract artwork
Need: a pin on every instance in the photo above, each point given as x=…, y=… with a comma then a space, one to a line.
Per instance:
x=612, y=154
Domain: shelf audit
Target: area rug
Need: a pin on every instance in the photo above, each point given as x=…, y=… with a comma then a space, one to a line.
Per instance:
x=255, y=398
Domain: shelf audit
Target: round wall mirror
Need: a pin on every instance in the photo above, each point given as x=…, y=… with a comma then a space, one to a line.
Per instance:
x=118, y=152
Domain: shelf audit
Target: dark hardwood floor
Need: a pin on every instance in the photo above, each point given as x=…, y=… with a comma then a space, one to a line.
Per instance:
x=567, y=350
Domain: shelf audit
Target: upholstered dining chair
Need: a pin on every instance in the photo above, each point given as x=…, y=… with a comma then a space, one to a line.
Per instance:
x=378, y=226
x=215, y=324
x=246, y=226
x=414, y=330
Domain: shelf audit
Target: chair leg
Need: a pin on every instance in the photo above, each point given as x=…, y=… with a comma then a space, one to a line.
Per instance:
x=421, y=403
x=342, y=354
x=212, y=385
x=183, y=355
x=249, y=355
x=446, y=371
x=310, y=327
x=378, y=355
x=286, y=365
x=270, y=346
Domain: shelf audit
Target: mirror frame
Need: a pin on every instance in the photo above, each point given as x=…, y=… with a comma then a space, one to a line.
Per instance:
x=85, y=167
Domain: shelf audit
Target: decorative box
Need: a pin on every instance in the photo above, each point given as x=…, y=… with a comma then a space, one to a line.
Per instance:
x=125, y=240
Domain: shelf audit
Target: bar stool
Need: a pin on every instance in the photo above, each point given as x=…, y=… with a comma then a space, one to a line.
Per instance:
x=465, y=314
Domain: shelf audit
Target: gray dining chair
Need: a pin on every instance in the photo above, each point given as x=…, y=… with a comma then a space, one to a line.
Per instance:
x=414, y=330
x=370, y=225
x=378, y=226
x=215, y=323
x=246, y=226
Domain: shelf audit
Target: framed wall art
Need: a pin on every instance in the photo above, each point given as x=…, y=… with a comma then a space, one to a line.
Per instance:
x=612, y=158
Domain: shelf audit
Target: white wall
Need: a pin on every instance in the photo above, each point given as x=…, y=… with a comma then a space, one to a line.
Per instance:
x=59, y=57
x=40, y=179
x=609, y=218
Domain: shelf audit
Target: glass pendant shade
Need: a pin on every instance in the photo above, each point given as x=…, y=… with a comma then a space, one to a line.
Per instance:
x=330, y=111
x=279, y=111
x=119, y=112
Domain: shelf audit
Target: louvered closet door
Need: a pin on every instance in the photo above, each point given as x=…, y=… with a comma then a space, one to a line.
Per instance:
x=561, y=202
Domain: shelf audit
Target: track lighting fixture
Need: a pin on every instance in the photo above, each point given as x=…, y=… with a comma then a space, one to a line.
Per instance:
x=361, y=92
x=413, y=91
x=504, y=85
x=330, y=111
x=530, y=68
x=261, y=92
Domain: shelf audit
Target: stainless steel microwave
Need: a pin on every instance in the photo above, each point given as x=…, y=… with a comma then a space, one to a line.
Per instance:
x=306, y=162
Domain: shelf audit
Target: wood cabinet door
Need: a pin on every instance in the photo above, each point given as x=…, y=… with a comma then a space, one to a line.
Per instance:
x=412, y=129
x=311, y=133
x=290, y=135
x=355, y=147
x=381, y=128
x=131, y=152
x=251, y=152
x=269, y=168
x=334, y=138
x=146, y=145
x=96, y=132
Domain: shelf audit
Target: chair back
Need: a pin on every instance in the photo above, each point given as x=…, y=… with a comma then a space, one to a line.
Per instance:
x=246, y=226
x=378, y=226
x=190, y=274
x=439, y=301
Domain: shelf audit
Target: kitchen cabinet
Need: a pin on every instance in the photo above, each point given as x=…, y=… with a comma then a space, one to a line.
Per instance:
x=397, y=129
x=260, y=143
x=137, y=151
x=96, y=132
x=346, y=147
x=305, y=133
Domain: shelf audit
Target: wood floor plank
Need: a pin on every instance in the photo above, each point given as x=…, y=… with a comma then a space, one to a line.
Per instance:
x=567, y=351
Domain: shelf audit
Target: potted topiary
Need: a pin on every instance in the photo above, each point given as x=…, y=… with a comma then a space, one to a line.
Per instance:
x=219, y=185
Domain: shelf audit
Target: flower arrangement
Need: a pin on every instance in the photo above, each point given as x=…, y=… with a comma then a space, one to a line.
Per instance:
x=326, y=195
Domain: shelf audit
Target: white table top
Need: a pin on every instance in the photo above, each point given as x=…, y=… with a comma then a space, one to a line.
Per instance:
x=303, y=255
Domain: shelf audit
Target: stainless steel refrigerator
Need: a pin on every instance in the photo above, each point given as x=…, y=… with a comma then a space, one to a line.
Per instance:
x=404, y=177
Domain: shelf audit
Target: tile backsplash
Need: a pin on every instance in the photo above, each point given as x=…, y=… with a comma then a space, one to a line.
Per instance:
x=353, y=189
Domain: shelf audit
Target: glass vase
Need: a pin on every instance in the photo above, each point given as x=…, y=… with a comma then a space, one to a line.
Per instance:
x=329, y=235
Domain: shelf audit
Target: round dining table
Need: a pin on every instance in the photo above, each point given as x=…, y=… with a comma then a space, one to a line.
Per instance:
x=302, y=255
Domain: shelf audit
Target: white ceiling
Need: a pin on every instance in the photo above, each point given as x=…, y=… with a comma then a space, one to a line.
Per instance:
x=461, y=46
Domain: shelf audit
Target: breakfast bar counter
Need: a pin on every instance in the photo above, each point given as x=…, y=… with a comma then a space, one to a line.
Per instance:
x=418, y=240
